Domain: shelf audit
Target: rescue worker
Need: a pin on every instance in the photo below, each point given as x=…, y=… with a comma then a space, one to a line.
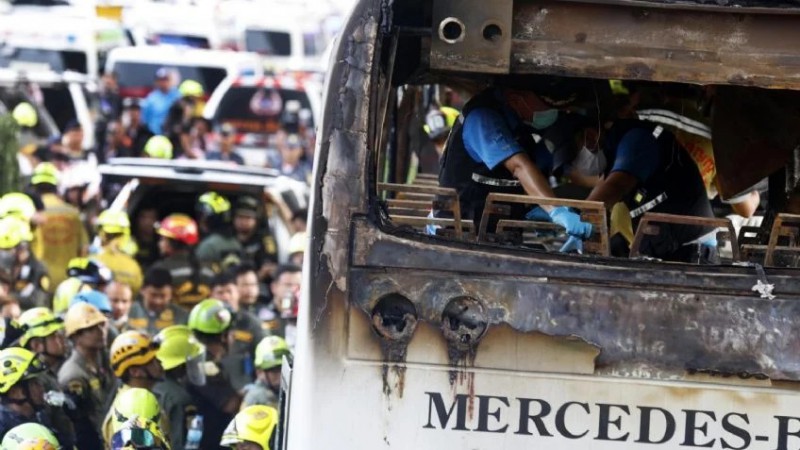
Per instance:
x=250, y=296
x=258, y=244
x=21, y=391
x=438, y=123
x=158, y=147
x=139, y=433
x=192, y=94
x=268, y=361
x=134, y=362
x=191, y=280
x=121, y=297
x=494, y=148
x=31, y=436
x=43, y=334
x=245, y=334
x=281, y=317
x=30, y=278
x=61, y=235
x=136, y=132
x=156, y=310
x=114, y=231
x=183, y=359
x=253, y=428
x=650, y=171
x=19, y=205
x=131, y=404
x=84, y=377
x=217, y=400
x=85, y=274
x=219, y=247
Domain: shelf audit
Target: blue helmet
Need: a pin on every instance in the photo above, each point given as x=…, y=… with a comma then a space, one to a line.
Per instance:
x=95, y=298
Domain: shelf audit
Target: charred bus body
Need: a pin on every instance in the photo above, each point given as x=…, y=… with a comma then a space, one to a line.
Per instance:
x=464, y=339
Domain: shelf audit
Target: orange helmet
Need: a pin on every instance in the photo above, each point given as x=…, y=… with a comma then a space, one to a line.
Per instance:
x=179, y=227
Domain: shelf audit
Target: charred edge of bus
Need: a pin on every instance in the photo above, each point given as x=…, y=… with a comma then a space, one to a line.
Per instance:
x=394, y=320
x=464, y=322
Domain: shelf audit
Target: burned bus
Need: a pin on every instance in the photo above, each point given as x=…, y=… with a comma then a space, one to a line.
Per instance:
x=420, y=330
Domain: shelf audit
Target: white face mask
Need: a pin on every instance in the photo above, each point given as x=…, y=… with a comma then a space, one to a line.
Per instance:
x=590, y=163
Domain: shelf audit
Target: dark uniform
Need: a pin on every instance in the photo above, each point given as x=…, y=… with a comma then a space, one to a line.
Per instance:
x=211, y=399
x=191, y=279
x=179, y=407
x=260, y=249
x=9, y=419
x=90, y=391
x=668, y=182
x=246, y=333
x=31, y=285
x=219, y=249
x=58, y=416
x=141, y=319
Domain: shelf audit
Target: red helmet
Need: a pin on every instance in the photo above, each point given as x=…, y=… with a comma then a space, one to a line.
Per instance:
x=179, y=227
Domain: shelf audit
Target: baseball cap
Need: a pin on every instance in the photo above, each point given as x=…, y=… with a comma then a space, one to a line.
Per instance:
x=131, y=103
x=246, y=205
x=227, y=129
x=294, y=141
x=72, y=125
x=162, y=73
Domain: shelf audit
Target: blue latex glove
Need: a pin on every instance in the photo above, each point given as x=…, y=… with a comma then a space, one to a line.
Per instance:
x=538, y=214
x=573, y=245
x=571, y=222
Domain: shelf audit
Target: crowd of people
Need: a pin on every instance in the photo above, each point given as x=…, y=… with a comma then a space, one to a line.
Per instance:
x=164, y=330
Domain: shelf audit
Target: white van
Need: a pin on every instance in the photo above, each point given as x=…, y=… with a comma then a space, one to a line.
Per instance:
x=43, y=41
x=257, y=107
x=135, y=67
x=65, y=96
x=183, y=25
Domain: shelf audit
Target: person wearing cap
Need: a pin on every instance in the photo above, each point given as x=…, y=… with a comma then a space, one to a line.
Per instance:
x=156, y=310
x=227, y=146
x=191, y=279
x=21, y=391
x=85, y=275
x=183, y=359
x=43, y=334
x=136, y=131
x=61, y=236
x=157, y=103
x=293, y=164
x=501, y=144
x=258, y=245
x=30, y=277
x=297, y=248
x=134, y=362
x=217, y=400
x=84, y=377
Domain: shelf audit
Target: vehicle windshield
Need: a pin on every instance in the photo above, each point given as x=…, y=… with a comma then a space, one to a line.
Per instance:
x=11, y=97
x=182, y=40
x=58, y=101
x=43, y=59
x=140, y=74
x=258, y=110
x=266, y=42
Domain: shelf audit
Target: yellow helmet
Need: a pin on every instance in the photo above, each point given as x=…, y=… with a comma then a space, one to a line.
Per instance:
x=25, y=115
x=176, y=345
x=270, y=352
x=135, y=402
x=38, y=322
x=17, y=364
x=30, y=435
x=17, y=204
x=131, y=348
x=45, y=173
x=81, y=316
x=113, y=222
x=212, y=203
x=13, y=232
x=253, y=424
x=66, y=291
x=191, y=88
x=158, y=147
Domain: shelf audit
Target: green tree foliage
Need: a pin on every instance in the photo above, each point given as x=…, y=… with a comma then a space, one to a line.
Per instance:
x=9, y=146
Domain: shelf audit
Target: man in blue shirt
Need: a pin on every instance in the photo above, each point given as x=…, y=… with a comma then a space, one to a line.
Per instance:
x=649, y=170
x=501, y=144
x=157, y=103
